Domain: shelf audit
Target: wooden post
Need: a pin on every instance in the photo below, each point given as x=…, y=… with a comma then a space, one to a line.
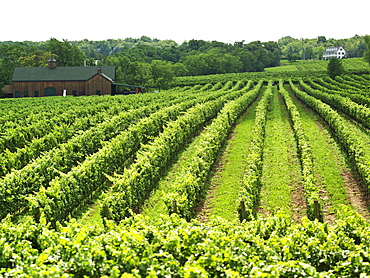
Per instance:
x=174, y=206
x=317, y=210
x=106, y=213
x=243, y=213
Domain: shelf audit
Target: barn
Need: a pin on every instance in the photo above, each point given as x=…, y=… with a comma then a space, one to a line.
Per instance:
x=59, y=81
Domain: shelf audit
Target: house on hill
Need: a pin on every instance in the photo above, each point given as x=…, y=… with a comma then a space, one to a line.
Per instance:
x=337, y=52
x=59, y=81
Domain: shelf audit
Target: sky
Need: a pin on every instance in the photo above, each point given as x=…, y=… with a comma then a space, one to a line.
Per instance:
x=224, y=21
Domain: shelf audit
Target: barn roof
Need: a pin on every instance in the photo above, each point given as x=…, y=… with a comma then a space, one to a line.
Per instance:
x=61, y=73
x=130, y=86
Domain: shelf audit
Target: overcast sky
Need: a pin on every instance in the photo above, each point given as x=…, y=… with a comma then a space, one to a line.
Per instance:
x=225, y=21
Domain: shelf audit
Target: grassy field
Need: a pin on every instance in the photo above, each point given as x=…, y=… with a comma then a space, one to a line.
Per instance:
x=316, y=65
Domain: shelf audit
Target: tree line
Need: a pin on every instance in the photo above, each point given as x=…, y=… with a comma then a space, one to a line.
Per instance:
x=153, y=63
x=303, y=49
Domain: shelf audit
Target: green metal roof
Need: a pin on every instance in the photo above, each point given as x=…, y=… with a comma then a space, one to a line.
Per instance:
x=60, y=73
x=130, y=86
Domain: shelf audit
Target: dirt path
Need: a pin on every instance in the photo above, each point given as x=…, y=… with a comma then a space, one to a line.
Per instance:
x=358, y=195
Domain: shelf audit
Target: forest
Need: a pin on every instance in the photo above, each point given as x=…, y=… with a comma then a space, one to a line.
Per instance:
x=154, y=63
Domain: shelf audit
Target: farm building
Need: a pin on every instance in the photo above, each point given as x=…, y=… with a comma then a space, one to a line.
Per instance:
x=59, y=81
x=337, y=52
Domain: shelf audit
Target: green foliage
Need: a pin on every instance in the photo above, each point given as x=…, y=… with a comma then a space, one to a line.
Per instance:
x=162, y=74
x=37, y=58
x=279, y=152
x=199, y=57
x=226, y=182
x=137, y=247
x=367, y=53
x=357, y=111
x=190, y=186
x=58, y=154
x=335, y=88
x=307, y=163
x=251, y=182
x=335, y=67
x=68, y=55
x=133, y=57
x=137, y=73
x=343, y=133
x=11, y=53
x=52, y=152
x=130, y=190
x=89, y=177
x=211, y=63
x=303, y=49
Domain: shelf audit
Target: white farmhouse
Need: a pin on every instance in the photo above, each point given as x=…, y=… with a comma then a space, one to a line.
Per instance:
x=337, y=52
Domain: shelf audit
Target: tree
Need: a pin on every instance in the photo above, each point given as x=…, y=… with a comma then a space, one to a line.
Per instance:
x=212, y=63
x=179, y=69
x=284, y=41
x=367, y=53
x=162, y=74
x=321, y=39
x=274, y=53
x=318, y=51
x=171, y=54
x=247, y=59
x=260, y=54
x=335, y=67
x=293, y=50
x=121, y=63
x=68, y=55
x=37, y=58
x=138, y=74
x=196, y=64
x=10, y=59
x=230, y=63
x=196, y=44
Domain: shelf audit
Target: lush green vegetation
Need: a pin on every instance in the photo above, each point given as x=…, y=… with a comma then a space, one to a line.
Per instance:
x=225, y=183
x=271, y=247
x=154, y=63
x=110, y=186
x=145, y=62
x=305, y=49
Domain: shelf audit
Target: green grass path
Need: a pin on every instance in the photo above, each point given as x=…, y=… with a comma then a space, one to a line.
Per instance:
x=226, y=182
x=281, y=167
x=330, y=164
x=154, y=207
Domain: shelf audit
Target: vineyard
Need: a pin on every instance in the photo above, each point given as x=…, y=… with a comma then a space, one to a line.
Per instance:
x=131, y=186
